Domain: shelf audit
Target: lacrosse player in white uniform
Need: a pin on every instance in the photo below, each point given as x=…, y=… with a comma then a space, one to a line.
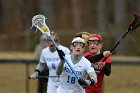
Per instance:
x=50, y=58
x=82, y=67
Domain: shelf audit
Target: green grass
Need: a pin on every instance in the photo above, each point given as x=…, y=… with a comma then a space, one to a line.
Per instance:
x=13, y=79
x=124, y=79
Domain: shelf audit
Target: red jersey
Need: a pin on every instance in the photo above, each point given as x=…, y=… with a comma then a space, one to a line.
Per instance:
x=97, y=88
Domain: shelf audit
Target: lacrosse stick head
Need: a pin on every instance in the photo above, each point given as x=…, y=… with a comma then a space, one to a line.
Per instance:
x=38, y=21
x=135, y=23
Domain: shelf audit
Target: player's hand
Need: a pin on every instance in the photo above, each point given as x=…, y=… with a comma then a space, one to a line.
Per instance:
x=107, y=53
x=101, y=65
x=34, y=75
x=82, y=82
x=61, y=54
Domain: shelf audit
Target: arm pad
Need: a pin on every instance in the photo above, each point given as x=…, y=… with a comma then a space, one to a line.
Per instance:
x=95, y=58
x=107, y=69
x=40, y=67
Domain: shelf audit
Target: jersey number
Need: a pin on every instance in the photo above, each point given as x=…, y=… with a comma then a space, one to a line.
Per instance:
x=71, y=80
x=53, y=66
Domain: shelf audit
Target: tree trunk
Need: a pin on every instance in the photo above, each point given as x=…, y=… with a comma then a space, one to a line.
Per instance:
x=101, y=22
x=76, y=15
x=46, y=8
x=120, y=18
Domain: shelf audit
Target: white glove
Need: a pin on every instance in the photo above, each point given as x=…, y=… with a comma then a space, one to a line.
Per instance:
x=34, y=75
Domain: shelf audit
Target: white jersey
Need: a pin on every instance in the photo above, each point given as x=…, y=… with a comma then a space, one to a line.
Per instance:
x=52, y=60
x=68, y=81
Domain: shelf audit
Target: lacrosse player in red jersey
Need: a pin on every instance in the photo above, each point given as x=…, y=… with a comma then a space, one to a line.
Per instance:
x=95, y=43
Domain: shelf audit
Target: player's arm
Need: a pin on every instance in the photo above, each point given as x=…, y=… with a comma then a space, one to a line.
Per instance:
x=98, y=57
x=93, y=80
x=94, y=58
x=107, y=69
x=38, y=70
x=60, y=66
x=106, y=66
x=91, y=74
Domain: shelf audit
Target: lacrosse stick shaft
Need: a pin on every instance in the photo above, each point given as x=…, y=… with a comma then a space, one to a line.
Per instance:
x=64, y=57
x=50, y=37
x=42, y=77
x=117, y=43
x=39, y=22
x=135, y=24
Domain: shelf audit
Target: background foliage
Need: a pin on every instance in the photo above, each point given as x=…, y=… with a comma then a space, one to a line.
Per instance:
x=110, y=18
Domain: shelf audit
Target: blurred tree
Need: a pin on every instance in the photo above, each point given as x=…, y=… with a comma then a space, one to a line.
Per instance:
x=101, y=13
x=76, y=15
x=46, y=7
x=68, y=17
x=120, y=21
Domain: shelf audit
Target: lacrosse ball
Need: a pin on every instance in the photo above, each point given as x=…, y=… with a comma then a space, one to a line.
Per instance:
x=44, y=28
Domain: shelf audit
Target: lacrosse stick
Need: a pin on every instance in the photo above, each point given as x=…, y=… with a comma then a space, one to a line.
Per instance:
x=135, y=24
x=38, y=21
x=40, y=77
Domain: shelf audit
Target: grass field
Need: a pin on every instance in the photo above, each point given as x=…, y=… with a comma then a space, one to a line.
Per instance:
x=124, y=79
x=13, y=79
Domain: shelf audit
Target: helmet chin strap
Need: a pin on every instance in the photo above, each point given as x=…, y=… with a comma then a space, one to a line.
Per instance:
x=52, y=49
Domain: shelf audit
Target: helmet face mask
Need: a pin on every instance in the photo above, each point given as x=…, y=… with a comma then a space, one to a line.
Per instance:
x=96, y=42
x=55, y=38
x=78, y=43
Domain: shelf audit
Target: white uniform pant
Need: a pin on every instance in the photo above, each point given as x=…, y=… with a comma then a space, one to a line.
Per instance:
x=52, y=89
x=67, y=90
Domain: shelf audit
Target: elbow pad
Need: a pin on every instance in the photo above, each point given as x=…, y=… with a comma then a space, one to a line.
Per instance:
x=40, y=67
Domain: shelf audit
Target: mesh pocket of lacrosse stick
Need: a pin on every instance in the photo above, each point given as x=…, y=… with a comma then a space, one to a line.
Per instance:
x=38, y=21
